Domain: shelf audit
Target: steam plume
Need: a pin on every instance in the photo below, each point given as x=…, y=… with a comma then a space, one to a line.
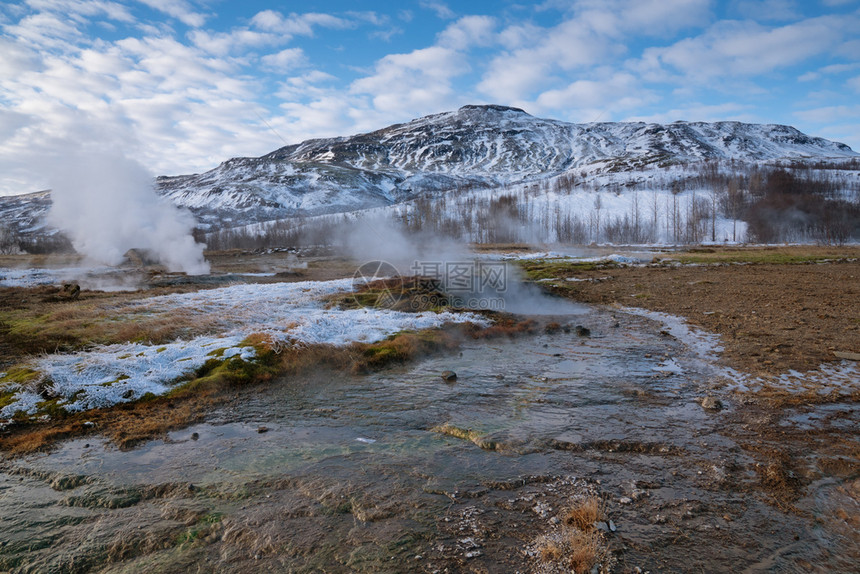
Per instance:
x=107, y=205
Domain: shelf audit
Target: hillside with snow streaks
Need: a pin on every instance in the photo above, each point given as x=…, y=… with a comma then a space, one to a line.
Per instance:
x=475, y=146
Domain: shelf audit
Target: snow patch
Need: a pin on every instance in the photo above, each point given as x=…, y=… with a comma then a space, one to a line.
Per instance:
x=291, y=314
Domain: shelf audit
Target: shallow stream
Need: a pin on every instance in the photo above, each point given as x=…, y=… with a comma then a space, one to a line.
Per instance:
x=341, y=473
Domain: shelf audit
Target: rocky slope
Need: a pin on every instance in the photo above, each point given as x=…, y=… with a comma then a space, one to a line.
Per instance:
x=475, y=146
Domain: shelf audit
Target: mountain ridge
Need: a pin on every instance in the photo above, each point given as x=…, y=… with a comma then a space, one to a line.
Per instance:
x=474, y=146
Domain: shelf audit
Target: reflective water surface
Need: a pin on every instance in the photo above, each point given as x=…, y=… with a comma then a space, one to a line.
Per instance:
x=341, y=473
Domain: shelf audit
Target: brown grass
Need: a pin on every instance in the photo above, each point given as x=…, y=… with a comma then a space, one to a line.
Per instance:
x=34, y=321
x=571, y=549
x=583, y=513
x=576, y=546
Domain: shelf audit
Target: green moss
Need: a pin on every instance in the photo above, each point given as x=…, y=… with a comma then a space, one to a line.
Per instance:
x=52, y=408
x=201, y=528
x=6, y=399
x=466, y=434
x=775, y=257
x=115, y=381
x=19, y=376
x=218, y=372
x=538, y=269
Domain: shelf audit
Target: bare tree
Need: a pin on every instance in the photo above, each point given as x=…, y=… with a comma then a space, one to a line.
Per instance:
x=8, y=241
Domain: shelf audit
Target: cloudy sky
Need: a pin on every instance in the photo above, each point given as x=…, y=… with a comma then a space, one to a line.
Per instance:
x=182, y=85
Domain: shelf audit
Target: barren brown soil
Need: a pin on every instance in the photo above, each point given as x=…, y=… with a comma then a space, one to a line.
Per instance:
x=771, y=317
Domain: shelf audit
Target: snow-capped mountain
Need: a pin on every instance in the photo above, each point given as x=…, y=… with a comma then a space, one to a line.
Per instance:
x=475, y=146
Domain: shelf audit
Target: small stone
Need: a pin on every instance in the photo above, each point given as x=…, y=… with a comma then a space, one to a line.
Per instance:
x=582, y=331
x=194, y=436
x=261, y=430
x=612, y=526
x=712, y=404
x=449, y=376
x=602, y=526
x=625, y=500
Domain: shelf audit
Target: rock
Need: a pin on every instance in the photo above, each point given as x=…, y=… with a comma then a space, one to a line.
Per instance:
x=712, y=403
x=582, y=331
x=261, y=430
x=625, y=500
x=602, y=526
x=449, y=376
x=70, y=291
x=194, y=436
x=612, y=527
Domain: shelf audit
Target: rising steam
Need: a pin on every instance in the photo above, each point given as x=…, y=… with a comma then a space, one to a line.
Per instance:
x=107, y=204
x=380, y=239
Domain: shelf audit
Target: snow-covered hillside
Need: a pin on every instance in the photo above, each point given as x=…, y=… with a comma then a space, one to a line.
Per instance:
x=475, y=146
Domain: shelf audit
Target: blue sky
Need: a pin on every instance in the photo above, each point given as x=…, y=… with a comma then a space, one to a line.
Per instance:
x=181, y=85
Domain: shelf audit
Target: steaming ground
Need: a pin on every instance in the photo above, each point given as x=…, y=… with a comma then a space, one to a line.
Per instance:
x=288, y=313
x=106, y=204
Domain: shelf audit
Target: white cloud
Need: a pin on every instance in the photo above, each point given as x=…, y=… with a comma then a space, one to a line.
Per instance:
x=829, y=114
x=77, y=9
x=828, y=70
x=467, y=32
x=641, y=17
x=412, y=83
x=618, y=92
x=45, y=30
x=285, y=59
x=767, y=9
x=179, y=9
x=732, y=48
x=296, y=24
x=440, y=8
x=518, y=73
x=237, y=40
x=854, y=84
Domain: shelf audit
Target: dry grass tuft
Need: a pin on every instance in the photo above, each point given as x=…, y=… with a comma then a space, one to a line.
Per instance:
x=584, y=513
x=571, y=550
